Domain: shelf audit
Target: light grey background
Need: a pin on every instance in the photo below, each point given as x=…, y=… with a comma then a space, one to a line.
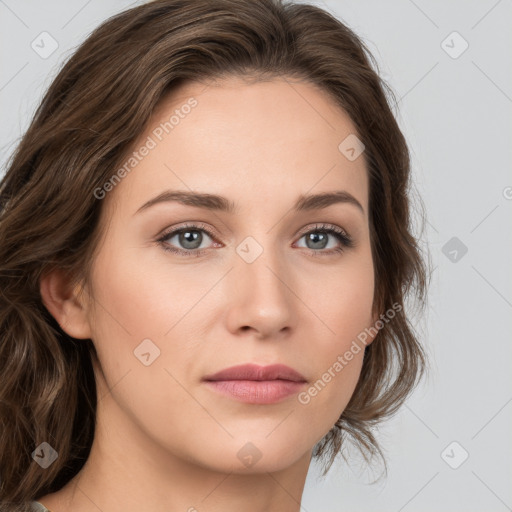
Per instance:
x=456, y=114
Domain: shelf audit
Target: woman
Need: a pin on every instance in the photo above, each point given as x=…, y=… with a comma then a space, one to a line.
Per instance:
x=205, y=255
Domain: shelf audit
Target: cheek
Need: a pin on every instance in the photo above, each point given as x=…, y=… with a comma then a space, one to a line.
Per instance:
x=344, y=305
x=139, y=296
x=342, y=300
x=143, y=312
x=133, y=304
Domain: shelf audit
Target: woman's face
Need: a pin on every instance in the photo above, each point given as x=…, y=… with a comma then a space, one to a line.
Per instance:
x=261, y=284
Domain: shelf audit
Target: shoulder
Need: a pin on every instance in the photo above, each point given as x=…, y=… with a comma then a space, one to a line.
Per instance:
x=37, y=507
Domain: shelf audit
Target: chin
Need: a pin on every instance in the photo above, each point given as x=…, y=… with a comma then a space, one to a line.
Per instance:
x=248, y=454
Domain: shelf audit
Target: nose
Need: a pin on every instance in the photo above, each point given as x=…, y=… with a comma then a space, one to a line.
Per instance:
x=262, y=300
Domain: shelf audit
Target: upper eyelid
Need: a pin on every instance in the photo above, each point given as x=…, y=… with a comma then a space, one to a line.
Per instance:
x=199, y=227
x=319, y=226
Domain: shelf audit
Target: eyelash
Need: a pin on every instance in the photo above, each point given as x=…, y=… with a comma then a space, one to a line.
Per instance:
x=342, y=236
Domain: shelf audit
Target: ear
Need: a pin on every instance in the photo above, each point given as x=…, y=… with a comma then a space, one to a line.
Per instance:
x=65, y=304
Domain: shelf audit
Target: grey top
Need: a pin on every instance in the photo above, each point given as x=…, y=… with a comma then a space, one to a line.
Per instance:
x=37, y=507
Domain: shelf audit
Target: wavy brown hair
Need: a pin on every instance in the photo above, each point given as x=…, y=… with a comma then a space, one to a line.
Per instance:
x=91, y=115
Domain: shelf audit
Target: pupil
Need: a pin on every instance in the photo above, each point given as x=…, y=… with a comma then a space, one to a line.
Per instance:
x=189, y=239
x=318, y=240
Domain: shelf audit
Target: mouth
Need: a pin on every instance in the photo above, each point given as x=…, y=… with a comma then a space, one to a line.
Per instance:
x=256, y=384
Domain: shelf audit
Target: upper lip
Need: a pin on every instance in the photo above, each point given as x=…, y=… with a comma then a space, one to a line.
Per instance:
x=256, y=372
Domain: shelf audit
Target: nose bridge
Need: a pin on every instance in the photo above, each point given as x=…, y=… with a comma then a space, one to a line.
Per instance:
x=260, y=282
x=260, y=263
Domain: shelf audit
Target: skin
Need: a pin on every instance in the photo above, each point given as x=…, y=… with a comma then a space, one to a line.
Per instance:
x=164, y=441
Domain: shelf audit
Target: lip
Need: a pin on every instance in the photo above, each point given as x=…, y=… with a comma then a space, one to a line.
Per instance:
x=251, y=383
x=257, y=373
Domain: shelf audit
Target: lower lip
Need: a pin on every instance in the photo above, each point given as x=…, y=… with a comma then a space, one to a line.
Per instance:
x=256, y=392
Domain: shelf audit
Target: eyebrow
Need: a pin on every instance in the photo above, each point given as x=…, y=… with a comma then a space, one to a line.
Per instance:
x=222, y=204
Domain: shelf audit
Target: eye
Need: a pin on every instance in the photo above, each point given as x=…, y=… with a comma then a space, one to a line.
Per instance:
x=190, y=237
x=318, y=238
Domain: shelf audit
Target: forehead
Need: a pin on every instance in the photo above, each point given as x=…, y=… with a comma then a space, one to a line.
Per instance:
x=253, y=142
